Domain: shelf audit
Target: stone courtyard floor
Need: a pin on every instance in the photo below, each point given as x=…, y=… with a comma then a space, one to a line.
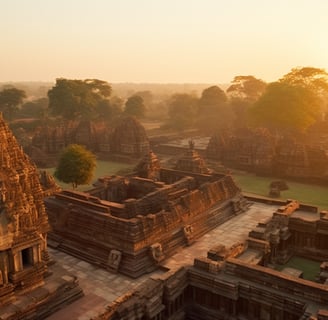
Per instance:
x=102, y=287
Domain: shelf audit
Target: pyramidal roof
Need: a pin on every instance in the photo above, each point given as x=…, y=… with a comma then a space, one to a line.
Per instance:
x=191, y=161
x=22, y=212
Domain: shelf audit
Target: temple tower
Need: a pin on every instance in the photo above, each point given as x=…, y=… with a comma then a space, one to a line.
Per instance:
x=149, y=167
x=130, y=138
x=191, y=161
x=23, y=220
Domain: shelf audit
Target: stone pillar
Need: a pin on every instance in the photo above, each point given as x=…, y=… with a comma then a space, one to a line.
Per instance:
x=36, y=254
x=274, y=241
x=4, y=266
x=265, y=312
x=17, y=259
x=234, y=307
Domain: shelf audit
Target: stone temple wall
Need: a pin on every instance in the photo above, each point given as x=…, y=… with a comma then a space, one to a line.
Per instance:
x=225, y=289
x=143, y=231
x=204, y=295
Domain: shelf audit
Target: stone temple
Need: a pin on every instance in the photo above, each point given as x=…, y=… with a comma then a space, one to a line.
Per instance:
x=260, y=152
x=127, y=139
x=206, y=251
x=26, y=288
x=242, y=281
x=149, y=220
x=130, y=224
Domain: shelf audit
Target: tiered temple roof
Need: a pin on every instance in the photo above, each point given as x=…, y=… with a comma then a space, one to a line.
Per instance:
x=129, y=224
x=23, y=234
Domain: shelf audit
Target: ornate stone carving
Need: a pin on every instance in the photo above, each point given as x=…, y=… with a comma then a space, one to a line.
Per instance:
x=259, y=151
x=191, y=161
x=114, y=260
x=23, y=229
x=128, y=137
x=156, y=252
x=149, y=167
x=188, y=233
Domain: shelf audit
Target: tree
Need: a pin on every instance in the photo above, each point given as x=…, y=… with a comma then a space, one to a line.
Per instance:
x=182, y=111
x=315, y=79
x=285, y=107
x=35, y=108
x=74, y=98
x=213, y=111
x=108, y=109
x=134, y=106
x=243, y=92
x=146, y=96
x=239, y=108
x=10, y=99
x=76, y=165
x=246, y=88
x=212, y=98
x=117, y=104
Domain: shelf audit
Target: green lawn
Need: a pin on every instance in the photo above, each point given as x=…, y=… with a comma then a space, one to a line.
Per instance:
x=309, y=267
x=103, y=168
x=306, y=193
x=248, y=182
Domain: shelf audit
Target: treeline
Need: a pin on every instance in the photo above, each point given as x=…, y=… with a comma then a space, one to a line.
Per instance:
x=289, y=105
x=31, y=100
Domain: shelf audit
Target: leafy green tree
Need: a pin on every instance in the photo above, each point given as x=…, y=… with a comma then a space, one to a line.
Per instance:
x=213, y=111
x=35, y=108
x=239, y=108
x=146, y=96
x=246, y=88
x=77, y=98
x=135, y=106
x=314, y=79
x=182, y=111
x=212, y=98
x=243, y=92
x=286, y=108
x=108, y=109
x=10, y=100
x=76, y=165
x=117, y=104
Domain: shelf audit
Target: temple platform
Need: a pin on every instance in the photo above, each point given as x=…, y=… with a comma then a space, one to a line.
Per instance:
x=60, y=289
x=101, y=287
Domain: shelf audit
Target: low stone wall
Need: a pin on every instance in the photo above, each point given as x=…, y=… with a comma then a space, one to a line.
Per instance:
x=141, y=232
x=307, y=290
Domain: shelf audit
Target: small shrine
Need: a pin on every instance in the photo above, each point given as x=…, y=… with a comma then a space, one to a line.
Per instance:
x=191, y=161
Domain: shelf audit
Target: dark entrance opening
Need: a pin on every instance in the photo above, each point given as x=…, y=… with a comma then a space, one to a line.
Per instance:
x=27, y=257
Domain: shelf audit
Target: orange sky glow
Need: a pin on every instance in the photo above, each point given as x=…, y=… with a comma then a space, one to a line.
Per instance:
x=162, y=41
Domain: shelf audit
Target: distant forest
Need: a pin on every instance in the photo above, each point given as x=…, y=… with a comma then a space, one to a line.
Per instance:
x=35, y=89
x=292, y=105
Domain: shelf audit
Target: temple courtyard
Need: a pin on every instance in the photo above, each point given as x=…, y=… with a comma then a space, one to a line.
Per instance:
x=102, y=287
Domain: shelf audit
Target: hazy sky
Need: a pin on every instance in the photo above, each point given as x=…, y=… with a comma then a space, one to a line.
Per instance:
x=177, y=41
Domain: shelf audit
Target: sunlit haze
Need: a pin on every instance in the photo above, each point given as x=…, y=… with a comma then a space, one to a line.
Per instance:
x=170, y=41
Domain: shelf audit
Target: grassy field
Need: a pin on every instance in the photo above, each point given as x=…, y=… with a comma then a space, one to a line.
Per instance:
x=306, y=193
x=310, y=268
x=103, y=168
x=248, y=182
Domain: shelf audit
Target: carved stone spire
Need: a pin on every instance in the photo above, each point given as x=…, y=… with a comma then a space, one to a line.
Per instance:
x=191, y=161
x=149, y=166
x=23, y=220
